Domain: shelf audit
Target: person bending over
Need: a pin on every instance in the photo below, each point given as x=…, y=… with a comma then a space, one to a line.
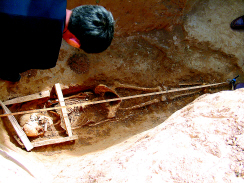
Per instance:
x=32, y=31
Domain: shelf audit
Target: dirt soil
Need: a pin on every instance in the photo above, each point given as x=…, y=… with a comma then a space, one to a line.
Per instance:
x=171, y=55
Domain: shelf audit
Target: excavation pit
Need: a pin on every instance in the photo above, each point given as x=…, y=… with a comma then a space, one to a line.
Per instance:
x=166, y=44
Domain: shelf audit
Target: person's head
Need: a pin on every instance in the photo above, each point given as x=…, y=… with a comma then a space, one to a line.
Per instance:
x=93, y=26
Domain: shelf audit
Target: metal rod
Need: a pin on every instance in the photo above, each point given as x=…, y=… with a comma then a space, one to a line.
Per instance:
x=83, y=104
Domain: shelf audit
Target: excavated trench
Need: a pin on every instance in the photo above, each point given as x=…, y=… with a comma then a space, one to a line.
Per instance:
x=175, y=47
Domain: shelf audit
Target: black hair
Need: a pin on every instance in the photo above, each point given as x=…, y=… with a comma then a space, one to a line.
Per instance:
x=94, y=27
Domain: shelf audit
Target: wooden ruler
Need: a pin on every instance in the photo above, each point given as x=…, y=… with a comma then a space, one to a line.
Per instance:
x=63, y=110
x=23, y=137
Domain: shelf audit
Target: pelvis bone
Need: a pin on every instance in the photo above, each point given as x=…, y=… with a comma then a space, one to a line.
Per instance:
x=107, y=93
